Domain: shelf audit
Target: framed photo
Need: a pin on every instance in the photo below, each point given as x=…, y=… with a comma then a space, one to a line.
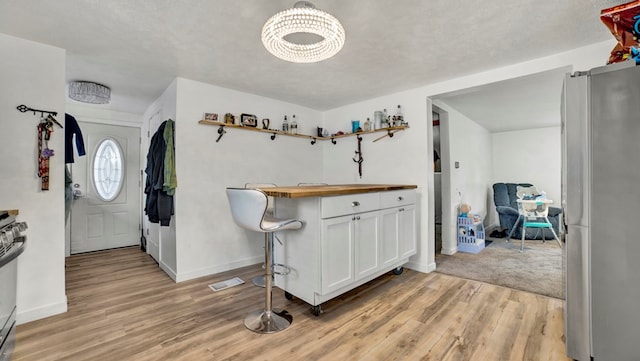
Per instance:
x=211, y=116
x=248, y=120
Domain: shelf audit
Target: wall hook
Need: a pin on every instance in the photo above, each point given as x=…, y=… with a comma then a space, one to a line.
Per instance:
x=313, y=141
x=273, y=136
x=221, y=132
x=359, y=160
x=333, y=141
x=23, y=108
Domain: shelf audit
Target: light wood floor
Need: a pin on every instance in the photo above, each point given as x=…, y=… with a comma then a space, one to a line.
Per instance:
x=123, y=307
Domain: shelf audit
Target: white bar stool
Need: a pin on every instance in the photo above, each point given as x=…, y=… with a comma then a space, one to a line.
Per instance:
x=259, y=280
x=249, y=210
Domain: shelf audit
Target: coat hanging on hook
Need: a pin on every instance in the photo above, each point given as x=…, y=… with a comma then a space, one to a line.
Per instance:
x=72, y=132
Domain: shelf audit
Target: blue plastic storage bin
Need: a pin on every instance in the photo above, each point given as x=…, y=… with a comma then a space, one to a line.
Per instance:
x=470, y=235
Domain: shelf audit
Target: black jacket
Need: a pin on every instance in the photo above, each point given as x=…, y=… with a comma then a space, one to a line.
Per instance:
x=159, y=205
x=71, y=127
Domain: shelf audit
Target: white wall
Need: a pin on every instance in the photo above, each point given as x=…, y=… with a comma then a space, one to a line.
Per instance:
x=528, y=156
x=208, y=241
x=102, y=115
x=33, y=74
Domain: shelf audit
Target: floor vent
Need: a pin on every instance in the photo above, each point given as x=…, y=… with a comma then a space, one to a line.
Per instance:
x=226, y=284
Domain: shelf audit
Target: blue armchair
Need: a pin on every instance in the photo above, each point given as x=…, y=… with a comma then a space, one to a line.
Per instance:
x=504, y=197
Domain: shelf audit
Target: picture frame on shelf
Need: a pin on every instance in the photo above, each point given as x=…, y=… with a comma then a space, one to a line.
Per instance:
x=248, y=120
x=211, y=116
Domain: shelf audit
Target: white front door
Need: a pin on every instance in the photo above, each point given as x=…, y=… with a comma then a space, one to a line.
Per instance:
x=106, y=208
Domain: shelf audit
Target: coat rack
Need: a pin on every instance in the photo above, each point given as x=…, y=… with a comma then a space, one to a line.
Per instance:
x=359, y=159
x=23, y=108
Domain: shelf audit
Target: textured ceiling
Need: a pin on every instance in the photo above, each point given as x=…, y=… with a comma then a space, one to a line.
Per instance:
x=527, y=102
x=138, y=47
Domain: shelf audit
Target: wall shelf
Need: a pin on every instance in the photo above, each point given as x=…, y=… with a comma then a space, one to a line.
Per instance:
x=274, y=132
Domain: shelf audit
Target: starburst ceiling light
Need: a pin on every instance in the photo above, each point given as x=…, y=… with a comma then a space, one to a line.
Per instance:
x=89, y=92
x=303, y=34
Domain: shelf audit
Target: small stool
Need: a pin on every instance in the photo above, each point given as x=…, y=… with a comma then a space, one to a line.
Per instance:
x=249, y=210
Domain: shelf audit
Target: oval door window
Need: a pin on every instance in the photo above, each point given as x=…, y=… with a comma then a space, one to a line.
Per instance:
x=108, y=174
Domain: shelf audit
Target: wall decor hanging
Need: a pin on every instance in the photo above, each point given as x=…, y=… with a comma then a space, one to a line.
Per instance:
x=44, y=129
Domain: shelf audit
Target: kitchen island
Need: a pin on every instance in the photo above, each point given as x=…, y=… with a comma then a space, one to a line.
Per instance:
x=353, y=233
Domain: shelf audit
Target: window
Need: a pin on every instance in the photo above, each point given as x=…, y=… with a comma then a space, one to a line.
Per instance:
x=108, y=174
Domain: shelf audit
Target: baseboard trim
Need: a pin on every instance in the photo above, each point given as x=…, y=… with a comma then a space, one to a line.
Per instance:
x=421, y=267
x=168, y=270
x=449, y=251
x=41, y=312
x=207, y=271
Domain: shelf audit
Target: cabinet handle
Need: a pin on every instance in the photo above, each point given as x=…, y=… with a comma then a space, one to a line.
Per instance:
x=400, y=198
x=401, y=210
x=358, y=217
x=353, y=218
x=355, y=204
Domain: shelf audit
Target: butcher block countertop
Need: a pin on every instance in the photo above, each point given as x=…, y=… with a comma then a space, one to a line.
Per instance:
x=332, y=190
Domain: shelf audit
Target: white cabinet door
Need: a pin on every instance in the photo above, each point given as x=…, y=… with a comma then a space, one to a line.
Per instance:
x=390, y=236
x=337, y=252
x=407, y=230
x=367, y=244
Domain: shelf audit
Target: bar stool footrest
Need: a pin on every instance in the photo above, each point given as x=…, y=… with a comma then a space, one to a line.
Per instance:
x=280, y=269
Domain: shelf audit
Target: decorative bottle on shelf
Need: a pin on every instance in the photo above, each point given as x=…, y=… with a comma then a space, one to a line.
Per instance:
x=377, y=117
x=367, y=125
x=399, y=119
x=285, y=124
x=385, y=119
x=293, y=127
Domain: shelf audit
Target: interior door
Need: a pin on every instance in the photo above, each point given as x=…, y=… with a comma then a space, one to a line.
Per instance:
x=151, y=230
x=106, y=208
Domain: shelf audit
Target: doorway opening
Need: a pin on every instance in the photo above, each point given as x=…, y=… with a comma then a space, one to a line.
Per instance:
x=437, y=182
x=488, y=126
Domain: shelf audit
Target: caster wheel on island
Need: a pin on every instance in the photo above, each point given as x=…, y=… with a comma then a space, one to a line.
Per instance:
x=288, y=295
x=317, y=310
x=398, y=270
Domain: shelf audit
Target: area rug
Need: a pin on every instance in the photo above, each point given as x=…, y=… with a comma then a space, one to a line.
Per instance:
x=538, y=269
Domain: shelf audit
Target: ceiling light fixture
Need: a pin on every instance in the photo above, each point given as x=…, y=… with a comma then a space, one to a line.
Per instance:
x=303, y=34
x=89, y=92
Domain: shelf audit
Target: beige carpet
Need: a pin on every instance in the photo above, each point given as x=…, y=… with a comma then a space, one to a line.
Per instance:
x=538, y=269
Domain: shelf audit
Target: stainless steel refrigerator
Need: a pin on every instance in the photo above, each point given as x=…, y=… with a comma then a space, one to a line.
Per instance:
x=601, y=202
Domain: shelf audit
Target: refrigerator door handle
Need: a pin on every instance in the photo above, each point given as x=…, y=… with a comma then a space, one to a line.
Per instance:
x=575, y=157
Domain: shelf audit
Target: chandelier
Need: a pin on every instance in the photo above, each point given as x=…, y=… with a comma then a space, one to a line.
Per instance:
x=303, y=34
x=89, y=92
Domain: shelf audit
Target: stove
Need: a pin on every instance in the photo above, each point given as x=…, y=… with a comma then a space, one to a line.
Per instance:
x=12, y=243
